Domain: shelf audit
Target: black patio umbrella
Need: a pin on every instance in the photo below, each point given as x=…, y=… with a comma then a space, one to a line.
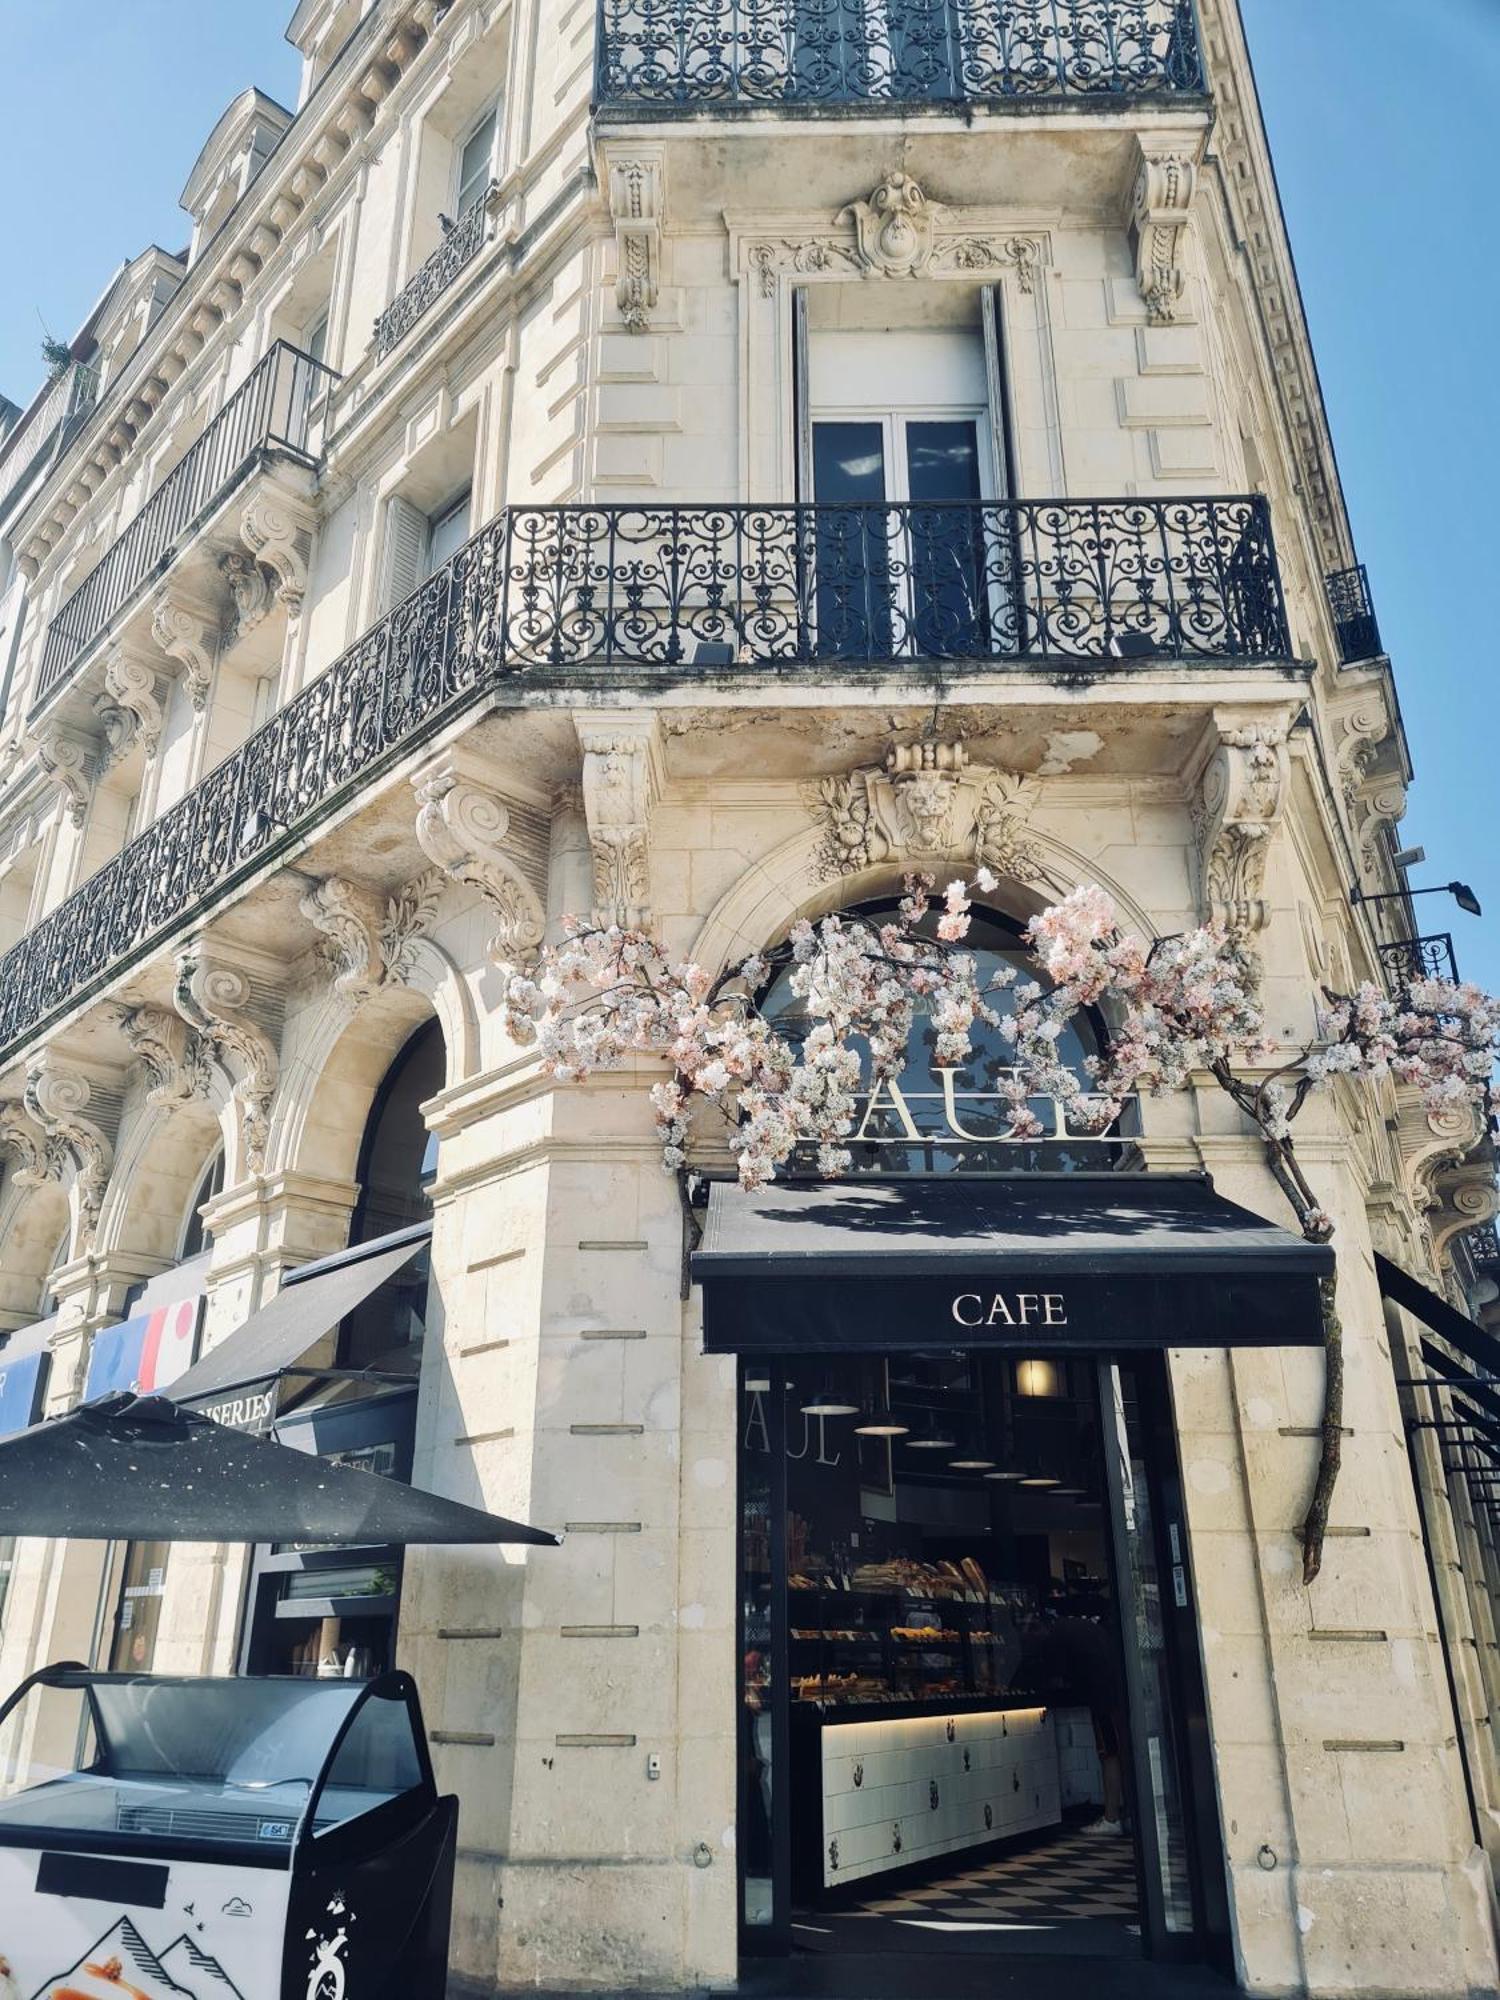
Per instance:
x=140, y=1468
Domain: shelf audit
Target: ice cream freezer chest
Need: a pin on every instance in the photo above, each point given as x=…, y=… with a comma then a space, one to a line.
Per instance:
x=179, y=1839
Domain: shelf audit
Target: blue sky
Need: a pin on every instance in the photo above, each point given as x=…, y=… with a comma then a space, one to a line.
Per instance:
x=1381, y=118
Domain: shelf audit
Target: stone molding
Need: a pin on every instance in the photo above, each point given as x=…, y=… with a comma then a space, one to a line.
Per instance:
x=250, y=590
x=621, y=782
x=213, y=998
x=177, y=1059
x=636, y=189
x=925, y=799
x=461, y=827
x=277, y=525
x=1241, y=801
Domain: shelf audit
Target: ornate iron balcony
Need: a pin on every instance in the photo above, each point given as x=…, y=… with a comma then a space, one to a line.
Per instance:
x=1060, y=587
x=1411, y=959
x=275, y=408
x=1354, y=618
x=690, y=55
x=68, y=400
x=458, y=248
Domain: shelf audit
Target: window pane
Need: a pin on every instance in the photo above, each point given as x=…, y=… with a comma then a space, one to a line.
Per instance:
x=450, y=530
x=942, y=460
x=474, y=164
x=848, y=462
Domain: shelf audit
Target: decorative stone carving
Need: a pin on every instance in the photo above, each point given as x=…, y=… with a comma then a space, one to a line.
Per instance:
x=635, y=200
x=249, y=589
x=1464, y=1197
x=56, y=1099
x=38, y=1158
x=177, y=1061
x=277, y=528
x=1018, y=254
x=130, y=708
x=1161, y=207
x=188, y=633
x=68, y=759
x=367, y=938
x=817, y=255
x=1240, y=805
x=893, y=228
x=212, y=998
x=460, y=827
x=619, y=786
x=926, y=800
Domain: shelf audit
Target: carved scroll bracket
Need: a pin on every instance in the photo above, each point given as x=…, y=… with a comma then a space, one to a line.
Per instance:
x=1241, y=801
x=636, y=200
x=187, y=630
x=461, y=828
x=131, y=708
x=213, y=999
x=57, y=1100
x=1161, y=206
x=367, y=938
x=621, y=782
x=277, y=526
x=68, y=757
x=177, y=1060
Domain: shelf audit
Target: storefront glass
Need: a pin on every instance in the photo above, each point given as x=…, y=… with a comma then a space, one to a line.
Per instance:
x=142, y=1588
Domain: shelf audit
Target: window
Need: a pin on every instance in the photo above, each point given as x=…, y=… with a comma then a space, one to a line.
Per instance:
x=417, y=544
x=139, y=1613
x=194, y=1236
x=315, y=340
x=475, y=163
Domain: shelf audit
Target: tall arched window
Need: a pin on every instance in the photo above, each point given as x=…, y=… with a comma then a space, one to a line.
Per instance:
x=933, y=1121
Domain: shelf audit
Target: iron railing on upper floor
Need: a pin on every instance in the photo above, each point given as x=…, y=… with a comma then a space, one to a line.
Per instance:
x=689, y=55
x=69, y=398
x=1411, y=959
x=1354, y=620
x=666, y=594
x=461, y=244
x=277, y=407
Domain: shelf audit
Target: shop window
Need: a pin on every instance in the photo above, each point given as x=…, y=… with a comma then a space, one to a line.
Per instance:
x=931, y=1120
x=397, y=1167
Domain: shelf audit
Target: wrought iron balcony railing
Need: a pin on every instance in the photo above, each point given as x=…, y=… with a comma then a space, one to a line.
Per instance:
x=1354, y=619
x=1411, y=959
x=689, y=55
x=459, y=247
x=1061, y=587
x=277, y=407
x=68, y=400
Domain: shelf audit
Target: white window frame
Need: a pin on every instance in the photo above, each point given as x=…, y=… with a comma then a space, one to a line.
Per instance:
x=493, y=109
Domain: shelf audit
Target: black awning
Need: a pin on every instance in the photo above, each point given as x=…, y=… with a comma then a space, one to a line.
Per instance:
x=1456, y=1375
x=1434, y=1311
x=1089, y=1262
x=311, y=1302
x=141, y=1468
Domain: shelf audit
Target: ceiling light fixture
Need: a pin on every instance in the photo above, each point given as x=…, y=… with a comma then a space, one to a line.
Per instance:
x=930, y=1444
x=879, y=1427
x=970, y=1464
x=1041, y=1482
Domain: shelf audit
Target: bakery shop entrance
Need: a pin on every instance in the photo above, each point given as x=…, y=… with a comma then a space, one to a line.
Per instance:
x=971, y=1709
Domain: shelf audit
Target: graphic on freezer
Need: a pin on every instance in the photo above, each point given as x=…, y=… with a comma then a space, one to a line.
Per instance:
x=122, y=1966
x=327, y=1977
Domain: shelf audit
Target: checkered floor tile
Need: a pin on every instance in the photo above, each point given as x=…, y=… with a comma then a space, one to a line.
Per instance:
x=1074, y=1875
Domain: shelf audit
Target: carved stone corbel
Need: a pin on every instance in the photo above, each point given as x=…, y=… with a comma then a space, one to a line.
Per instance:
x=893, y=228
x=1160, y=211
x=277, y=526
x=69, y=760
x=38, y=1159
x=635, y=202
x=620, y=783
x=176, y=1059
x=460, y=827
x=1464, y=1197
x=926, y=800
x=249, y=590
x=130, y=708
x=368, y=938
x=56, y=1099
x=187, y=632
x=1241, y=802
x=212, y=998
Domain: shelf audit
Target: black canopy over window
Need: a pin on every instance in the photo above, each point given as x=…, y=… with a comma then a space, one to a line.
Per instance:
x=1088, y=1262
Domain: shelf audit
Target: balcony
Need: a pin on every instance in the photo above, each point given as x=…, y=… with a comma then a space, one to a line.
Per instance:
x=1054, y=589
x=458, y=249
x=66, y=402
x=277, y=409
x=1412, y=959
x=665, y=57
x=1354, y=622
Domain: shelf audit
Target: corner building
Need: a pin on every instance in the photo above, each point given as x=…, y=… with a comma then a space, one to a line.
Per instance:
x=696, y=461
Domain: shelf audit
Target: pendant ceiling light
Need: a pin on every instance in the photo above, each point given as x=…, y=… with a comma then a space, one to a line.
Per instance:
x=882, y=1426
x=970, y=1464
x=934, y=1442
x=1039, y=1482
x=827, y=1402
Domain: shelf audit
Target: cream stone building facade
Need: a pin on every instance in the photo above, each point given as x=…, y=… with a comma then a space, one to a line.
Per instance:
x=603, y=574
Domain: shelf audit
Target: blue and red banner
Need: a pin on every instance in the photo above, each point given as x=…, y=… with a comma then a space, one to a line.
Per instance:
x=145, y=1354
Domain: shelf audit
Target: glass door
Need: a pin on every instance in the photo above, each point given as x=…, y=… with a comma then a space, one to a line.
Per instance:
x=1184, y=1904
x=900, y=545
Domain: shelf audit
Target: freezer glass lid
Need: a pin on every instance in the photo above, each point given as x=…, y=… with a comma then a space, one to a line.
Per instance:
x=249, y=1763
